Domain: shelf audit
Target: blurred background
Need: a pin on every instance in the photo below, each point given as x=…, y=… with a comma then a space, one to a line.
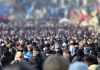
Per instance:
x=22, y=10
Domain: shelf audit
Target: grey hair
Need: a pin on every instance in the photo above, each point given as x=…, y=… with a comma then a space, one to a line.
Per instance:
x=56, y=62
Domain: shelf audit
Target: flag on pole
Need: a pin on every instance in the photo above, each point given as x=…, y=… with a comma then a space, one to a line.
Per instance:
x=29, y=12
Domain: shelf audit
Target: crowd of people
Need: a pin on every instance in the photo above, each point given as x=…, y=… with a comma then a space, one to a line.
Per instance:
x=49, y=45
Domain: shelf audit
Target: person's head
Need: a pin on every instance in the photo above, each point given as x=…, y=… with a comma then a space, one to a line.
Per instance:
x=92, y=67
x=18, y=46
x=17, y=67
x=8, y=45
x=21, y=42
x=47, y=51
x=71, y=42
x=66, y=53
x=78, y=66
x=29, y=48
x=19, y=55
x=93, y=52
x=89, y=60
x=55, y=62
x=36, y=51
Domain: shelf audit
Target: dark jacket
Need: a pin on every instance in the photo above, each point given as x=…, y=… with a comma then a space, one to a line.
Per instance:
x=35, y=63
x=7, y=58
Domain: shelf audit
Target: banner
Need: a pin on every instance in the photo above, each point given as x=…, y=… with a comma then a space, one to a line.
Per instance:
x=4, y=10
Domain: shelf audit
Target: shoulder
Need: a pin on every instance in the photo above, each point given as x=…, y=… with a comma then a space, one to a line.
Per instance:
x=17, y=61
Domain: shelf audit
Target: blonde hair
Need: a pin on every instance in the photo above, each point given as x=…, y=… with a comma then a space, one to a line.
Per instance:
x=19, y=55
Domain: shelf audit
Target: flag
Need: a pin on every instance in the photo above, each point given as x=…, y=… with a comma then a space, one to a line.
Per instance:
x=29, y=12
x=4, y=10
x=4, y=19
x=84, y=15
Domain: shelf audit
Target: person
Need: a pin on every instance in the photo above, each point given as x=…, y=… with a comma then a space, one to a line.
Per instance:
x=0, y=61
x=64, y=44
x=28, y=54
x=98, y=57
x=47, y=52
x=92, y=67
x=18, y=58
x=90, y=60
x=56, y=62
x=6, y=57
x=35, y=60
x=67, y=55
x=78, y=66
x=17, y=67
x=86, y=49
x=58, y=49
x=72, y=48
x=79, y=54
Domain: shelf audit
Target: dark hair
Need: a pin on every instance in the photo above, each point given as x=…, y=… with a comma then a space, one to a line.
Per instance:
x=36, y=49
x=91, y=59
x=67, y=51
x=17, y=67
